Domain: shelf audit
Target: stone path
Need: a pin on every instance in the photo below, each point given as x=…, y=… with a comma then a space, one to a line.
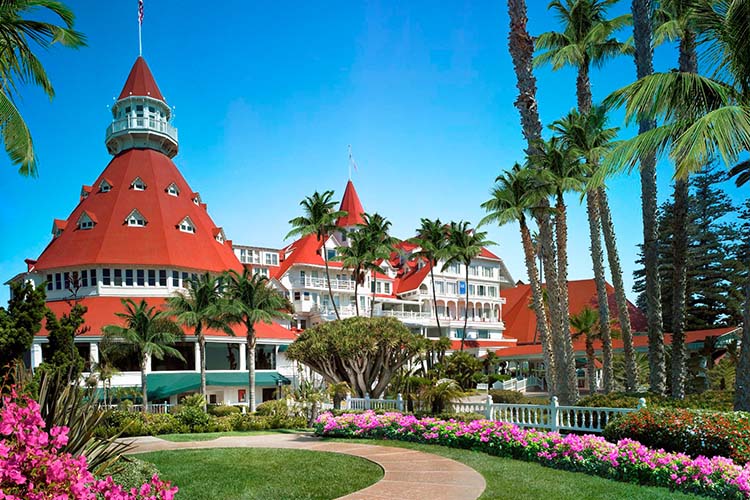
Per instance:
x=409, y=474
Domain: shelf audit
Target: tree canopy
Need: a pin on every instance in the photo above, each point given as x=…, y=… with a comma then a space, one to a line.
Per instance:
x=21, y=321
x=363, y=352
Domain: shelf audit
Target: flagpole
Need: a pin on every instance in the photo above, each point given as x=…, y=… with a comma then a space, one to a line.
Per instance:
x=140, y=41
x=350, y=162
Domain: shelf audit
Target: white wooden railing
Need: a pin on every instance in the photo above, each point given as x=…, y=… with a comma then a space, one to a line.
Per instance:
x=514, y=384
x=151, y=408
x=367, y=403
x=313, y=282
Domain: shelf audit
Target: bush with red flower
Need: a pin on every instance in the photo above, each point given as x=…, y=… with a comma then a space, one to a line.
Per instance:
x=32, y=467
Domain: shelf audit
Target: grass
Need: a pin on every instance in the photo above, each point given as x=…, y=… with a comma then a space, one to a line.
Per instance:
x=515, y=479
x=210, y=436
x=261, y=473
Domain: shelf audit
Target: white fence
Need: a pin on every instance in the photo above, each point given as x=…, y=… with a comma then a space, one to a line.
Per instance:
x=366, y=403
x=151, y=408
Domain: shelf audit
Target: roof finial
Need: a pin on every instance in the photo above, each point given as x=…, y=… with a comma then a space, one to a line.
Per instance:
x=352, y=163
x=140, y=23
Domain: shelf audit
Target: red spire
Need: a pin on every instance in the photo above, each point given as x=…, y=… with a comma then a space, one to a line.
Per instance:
x=351, y=204
x=141, y=82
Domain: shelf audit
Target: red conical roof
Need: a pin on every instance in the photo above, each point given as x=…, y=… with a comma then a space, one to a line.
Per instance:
x=141, y=82
x=160, y=243
x=353, y=207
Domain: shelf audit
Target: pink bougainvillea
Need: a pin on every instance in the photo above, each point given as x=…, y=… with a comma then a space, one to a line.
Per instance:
x=625, y=460
x=32, y=467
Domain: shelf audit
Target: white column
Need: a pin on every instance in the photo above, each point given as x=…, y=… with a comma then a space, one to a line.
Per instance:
x=197, y=367
x=94, y=353
x=148, y=363
x=36, y=355
x=243, y=357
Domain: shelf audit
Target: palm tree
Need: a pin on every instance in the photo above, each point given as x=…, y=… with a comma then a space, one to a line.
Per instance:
x=585, y=134
x=319, y=219
x=375, y=230
x=431, y=239
x=510, y=203
x=355, y=256
x=20, y=66
x=464, y=245
x=201, y=307
x=586, y=324
x=150, y=333
x=251, y=300
x=644, y=55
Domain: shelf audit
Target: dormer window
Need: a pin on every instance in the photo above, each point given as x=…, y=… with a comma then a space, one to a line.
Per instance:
x=58, y=226
x=135, y=219
x=105, y=186
x=85, y=190
x=197, y=199
x=219, y=235
x=186, y=225
x=86, y=221
x=173, y=190
x=138, y=184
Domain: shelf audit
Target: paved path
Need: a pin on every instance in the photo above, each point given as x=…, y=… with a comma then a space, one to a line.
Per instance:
x=409, y=474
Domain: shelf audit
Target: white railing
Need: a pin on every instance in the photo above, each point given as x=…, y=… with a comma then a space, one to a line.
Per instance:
x=141, y=123
x=514, y=385
x=336, y=284
x=152, y=408
x=344, y=312
x=366, y=403
x=416, y=315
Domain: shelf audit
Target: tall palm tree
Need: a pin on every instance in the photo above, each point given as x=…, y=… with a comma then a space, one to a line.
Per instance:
x=375, y=230
x=201, y=307
x=319, y=219
x=585, y=134
x=150, y=333
x=510, y=203
x=464, y=245
x=355, y=256
x=20, y=29
x=431, y=239
x=251, y=300
x=586, y=325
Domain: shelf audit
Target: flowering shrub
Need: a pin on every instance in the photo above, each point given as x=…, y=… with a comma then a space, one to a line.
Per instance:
x=695, y=432
x=32, y=467
x=628, y=460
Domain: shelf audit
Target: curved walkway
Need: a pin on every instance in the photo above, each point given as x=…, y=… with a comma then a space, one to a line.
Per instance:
x=409, y=474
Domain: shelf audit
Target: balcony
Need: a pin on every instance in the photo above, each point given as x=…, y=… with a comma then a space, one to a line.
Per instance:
x=141, y=132
x=320, y=284
x=329, y=314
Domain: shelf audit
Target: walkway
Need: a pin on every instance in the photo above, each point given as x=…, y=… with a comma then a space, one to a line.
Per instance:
x=409, y=474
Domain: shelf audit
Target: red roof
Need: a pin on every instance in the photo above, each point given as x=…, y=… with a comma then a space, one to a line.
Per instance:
x=101, y=312
x=351, y=204
x=488, y=255
x=520, y=320
x=141, y=82
x=474, y=344
x=160, y=242
x=412, y=279
x=305, y=250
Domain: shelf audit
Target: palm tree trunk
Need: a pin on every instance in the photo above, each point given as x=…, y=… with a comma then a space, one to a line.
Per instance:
x=144, y=385
x=250, y=360
x=583, y=88
x=644, y=54
x=591, y=363
x=374, y=291
x=623, y=315
x=542, y=325
x=466, y=308
x=328, y=279
x=434, y=297
x=356, y=287
x=561, y=232
x=202, y=349
x=688, y=61
x=742, y=378
x=597, y=259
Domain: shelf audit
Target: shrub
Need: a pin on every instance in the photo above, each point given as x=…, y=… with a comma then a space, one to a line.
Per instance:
x=193, y=418
x=194, y=400
x=510, y=397
x=274, y=407
x=131, y=472
x=694, y=432
x=708, y=400
x=222, y=410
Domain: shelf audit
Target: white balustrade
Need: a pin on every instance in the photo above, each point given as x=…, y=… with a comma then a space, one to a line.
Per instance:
x=367, y=403
x=141, y=123
x=321, y=283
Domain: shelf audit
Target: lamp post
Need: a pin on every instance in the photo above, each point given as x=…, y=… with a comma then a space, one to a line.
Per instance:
x=278, y=389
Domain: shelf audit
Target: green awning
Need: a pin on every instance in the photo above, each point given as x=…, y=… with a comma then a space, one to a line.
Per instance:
x=165, y=384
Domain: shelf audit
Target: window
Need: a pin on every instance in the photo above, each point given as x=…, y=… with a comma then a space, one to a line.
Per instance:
x=222, y=356
x=162, y=277
x=474, y=270
x=173, y=190
x=265, y=357
x=220, y=236
x=93, y=277
x=138, y=184
x=263, y=271
x=330, y=253
x=106, y=277
x=454, y=268
x=170, y=363
x=185, y=280
x=50, y=284
x=451, y=288
x=387, y=288
x=481, y=290
x=118, y=277
x=488, y=272
x=244, y=256
x=151, y=277
x=492, y=291
x=459, y=333
x=85, y=278
x=104, y=186
x=66, y=279
x=471, y=289
x=197, y=199
x=135, y=219
x=296, y=295
x=483, y=334
x=186, y=225
x=307, y=295
x=140, y=277
x=128, y=277
x=175, y=279
x=85, y=222
x=272, y=259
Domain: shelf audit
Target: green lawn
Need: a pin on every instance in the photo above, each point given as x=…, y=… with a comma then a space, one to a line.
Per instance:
x=260, y=473
x=514, y=479
x=210, y=436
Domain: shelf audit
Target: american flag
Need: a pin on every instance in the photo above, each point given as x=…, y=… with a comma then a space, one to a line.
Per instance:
x=140, y=11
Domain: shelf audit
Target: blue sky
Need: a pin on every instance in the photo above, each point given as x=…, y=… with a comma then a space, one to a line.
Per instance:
x=268, y=95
